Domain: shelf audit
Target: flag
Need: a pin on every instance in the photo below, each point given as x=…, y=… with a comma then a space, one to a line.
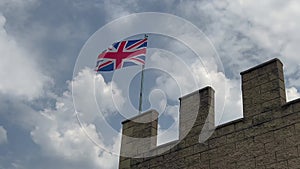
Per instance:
x=122, y=54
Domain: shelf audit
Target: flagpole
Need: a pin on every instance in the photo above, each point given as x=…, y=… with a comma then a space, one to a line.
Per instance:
x=141, y=90
x=142, y=83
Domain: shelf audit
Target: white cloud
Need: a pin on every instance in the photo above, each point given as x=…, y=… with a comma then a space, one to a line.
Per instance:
x=176, y=82
x=171, y=133
x=116, y=9
x=18, y=9
x=246, y=33
x=292, y=93
x=228, y=105
x=19, y=73
x=3, y=135
x=59, y=134
x=158, y=100
x=73, y=146
x=91, y=93
x=274, y=26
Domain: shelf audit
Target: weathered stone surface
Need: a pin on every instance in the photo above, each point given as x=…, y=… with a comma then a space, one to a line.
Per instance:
x=246, y=164
x=296, y=105
x=284, y=132
x=286, y=154
x=264, y=138
x=262, y=118
x=278, y=165
x=294, y=163
x=265, y=159
x=216, y=142
x=234, y=137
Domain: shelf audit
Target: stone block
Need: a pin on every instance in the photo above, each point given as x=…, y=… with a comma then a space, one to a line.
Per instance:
x=186, y=151
x=270, y=86
x=225, y=129
x=264, y=138
x=294, y=163
x=250, y=147
x=276, y=145
x=265, y=159
x=246, y=123
x=125, y=164
x=212, y=154
x=278, y=165
x=271, y=104
x=205, y=156
x=297, y=128
x=285, y=132
x=157, y=161
x=273, y=125
x=216, y=142
x=226, y=149
x=286, y=154
x=236, y=136
x=291, y=118
x=296, y=106
x=191, y=160
x=292, y=141
x=198, y=148
x=246, y=164
x=262, y=118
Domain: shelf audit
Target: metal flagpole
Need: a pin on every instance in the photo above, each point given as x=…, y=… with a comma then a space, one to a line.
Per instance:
x=142, y=82
x=141, y=90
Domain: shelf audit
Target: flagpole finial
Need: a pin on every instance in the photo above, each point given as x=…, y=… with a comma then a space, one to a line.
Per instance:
x=146, y=36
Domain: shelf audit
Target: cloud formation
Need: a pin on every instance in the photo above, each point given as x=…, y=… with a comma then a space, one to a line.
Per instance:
x=292, y=93
x=59, y=135
x=19, y=73
x=3, y=135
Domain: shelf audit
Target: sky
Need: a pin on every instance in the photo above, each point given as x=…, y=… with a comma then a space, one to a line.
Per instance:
x=48, y=50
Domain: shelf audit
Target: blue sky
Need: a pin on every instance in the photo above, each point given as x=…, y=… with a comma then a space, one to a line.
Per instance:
x=40, y=42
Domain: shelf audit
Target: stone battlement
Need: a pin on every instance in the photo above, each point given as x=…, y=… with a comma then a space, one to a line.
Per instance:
x=268, y=136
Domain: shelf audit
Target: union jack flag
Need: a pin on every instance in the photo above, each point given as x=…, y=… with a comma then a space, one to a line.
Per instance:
x=122, y=54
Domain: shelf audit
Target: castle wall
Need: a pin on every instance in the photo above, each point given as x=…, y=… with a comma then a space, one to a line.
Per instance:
x=267, y=137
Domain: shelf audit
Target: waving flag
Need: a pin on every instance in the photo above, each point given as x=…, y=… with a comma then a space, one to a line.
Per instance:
x=122, y=54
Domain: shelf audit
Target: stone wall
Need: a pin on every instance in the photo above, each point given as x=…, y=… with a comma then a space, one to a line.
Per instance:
x=267, y=137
